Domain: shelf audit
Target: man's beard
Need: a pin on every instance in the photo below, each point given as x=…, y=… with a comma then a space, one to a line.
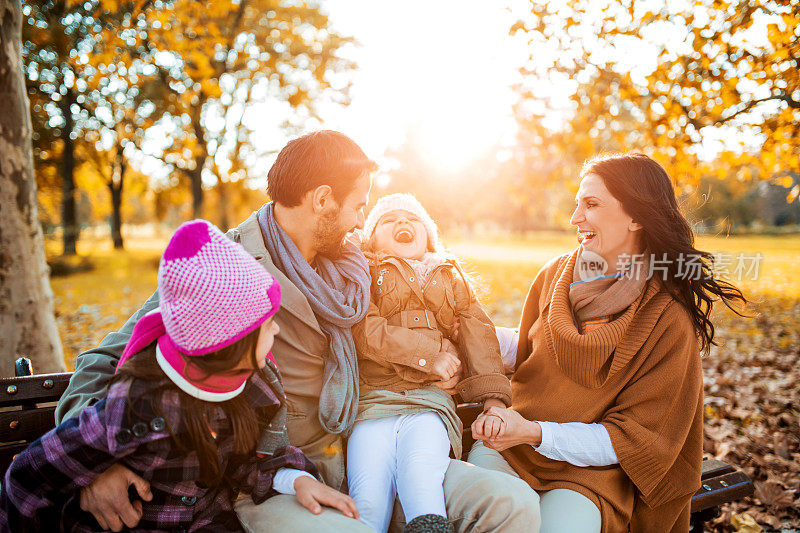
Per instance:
x=329, y=236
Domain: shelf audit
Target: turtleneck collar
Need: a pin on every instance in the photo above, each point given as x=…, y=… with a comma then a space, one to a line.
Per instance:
x=591, y=358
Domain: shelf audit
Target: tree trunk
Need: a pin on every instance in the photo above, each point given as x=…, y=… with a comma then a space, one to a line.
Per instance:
x=196, y=182
x=116, y=215
x=116, y=200
x=196, y=174
x=224, y=200
x=68, y=216
x=27, y=324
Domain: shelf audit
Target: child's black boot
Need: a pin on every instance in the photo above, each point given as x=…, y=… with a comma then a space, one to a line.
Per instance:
x=429, y=523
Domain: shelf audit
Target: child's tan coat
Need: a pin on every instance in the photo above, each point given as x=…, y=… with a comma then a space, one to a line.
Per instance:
x=400, y=339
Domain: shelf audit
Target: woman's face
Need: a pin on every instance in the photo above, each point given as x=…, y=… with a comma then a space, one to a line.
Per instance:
x=402, y=234
x=266, y=337
x=603, y=226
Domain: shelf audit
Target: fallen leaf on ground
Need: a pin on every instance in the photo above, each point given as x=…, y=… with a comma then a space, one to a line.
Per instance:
x=744, y=523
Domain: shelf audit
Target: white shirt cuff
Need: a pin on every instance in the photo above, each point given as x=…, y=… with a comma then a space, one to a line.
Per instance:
x=285, y=478
x=546, y=446
x=577, y=443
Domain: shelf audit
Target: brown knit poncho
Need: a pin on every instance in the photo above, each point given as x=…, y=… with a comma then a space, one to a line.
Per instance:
x=639, y=375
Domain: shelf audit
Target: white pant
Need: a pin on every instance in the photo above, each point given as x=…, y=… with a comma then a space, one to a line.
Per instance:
x=404, y=455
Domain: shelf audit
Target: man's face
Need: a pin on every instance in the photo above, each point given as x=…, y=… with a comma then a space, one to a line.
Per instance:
x=334, y=225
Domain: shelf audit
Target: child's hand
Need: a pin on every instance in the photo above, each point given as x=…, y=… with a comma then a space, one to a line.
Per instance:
x=449, y=386
x=456, y=326
x=493, y=402
x=313, y=495
x=448, y=346
x=446, y=364
x=488, y=426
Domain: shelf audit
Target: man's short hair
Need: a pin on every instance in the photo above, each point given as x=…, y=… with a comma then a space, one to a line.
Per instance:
x=319, y=158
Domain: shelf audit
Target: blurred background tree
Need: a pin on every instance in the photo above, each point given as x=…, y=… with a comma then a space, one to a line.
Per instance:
x=219, y=55
x=177, y=93
x=708, y=87
x=57, y=37
x=115, y=85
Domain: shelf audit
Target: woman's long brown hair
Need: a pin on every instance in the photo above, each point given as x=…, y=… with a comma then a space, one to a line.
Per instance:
x=646, y=193
x=196, y=412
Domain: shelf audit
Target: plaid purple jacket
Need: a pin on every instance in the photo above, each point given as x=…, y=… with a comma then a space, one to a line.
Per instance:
x=41, y=487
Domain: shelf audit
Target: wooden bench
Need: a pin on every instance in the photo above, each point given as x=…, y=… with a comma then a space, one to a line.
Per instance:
x=27, y=406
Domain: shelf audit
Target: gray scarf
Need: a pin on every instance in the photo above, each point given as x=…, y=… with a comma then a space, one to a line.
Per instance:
x=274, y=436
x=339, y=298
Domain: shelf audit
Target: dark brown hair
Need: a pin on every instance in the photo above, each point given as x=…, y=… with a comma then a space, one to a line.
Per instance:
x=196, y=412
x=320, y=158
x=647, y=195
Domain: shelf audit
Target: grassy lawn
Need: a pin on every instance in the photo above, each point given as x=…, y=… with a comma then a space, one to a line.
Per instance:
x=90, y=304
x=752, y=380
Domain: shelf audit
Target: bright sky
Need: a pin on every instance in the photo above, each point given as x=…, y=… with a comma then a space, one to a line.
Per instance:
x=446, y=68
x=442, y=68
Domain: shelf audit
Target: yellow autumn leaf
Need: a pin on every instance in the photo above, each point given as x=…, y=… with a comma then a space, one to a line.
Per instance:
x=744, y=523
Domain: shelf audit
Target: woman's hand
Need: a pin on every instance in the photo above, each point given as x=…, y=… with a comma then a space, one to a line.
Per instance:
x=313, y=495
x=515, y=429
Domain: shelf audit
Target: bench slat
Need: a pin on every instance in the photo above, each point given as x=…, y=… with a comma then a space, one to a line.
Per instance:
x=7, y=453
x=715, y=468
x=26, y=424
x=718, y=490
x=39, y=388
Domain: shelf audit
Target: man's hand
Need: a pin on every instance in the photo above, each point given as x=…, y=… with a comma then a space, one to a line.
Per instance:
x=107, y=498
x=313, y=495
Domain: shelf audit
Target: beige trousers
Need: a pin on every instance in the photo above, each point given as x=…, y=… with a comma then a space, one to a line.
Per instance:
x=477, y=501
x=562, y=510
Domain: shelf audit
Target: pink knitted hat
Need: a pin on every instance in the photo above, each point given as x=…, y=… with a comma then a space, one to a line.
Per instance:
x=212, y=293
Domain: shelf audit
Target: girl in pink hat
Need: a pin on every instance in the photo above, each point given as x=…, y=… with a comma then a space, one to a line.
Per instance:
x=196, y=408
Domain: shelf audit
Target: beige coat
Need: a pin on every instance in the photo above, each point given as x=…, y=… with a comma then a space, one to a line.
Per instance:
x=299, y=352
x=400, y=339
